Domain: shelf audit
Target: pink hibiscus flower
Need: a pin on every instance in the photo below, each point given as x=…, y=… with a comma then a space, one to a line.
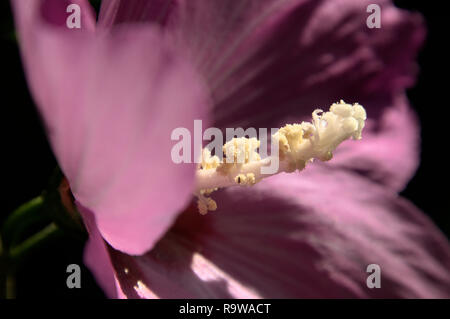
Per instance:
x=111, y=92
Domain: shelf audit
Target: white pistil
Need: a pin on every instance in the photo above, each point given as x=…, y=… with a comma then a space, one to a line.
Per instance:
x=298, y=144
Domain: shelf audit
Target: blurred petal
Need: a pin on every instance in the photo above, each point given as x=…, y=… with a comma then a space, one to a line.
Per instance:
x=114, y=12
x=268, y=59
x=295, y=236
x=96, y=256
x=389, y=151
x=279, y=56
x=110, y=101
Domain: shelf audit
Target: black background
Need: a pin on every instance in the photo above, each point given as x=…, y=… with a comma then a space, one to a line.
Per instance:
x=28, y=161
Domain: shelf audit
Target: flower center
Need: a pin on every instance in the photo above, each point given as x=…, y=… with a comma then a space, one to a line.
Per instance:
x=294, y=145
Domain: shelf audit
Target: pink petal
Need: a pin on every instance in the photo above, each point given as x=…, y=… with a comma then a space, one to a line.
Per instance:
x=285, y=46
x=276, y=81
x=110, y=101
x=280, y=56
x=311, y=235
x=124, y=11
x=96, y=256
x=268, y=62
x=389, y=150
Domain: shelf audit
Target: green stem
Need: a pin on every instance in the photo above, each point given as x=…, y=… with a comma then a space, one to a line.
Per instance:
x=10, y=287
x=3, y=271
x=24, y=210
x=7, y=280
x=16, y=253
x=16, y=243
x=20, y=219
x=9, y=260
